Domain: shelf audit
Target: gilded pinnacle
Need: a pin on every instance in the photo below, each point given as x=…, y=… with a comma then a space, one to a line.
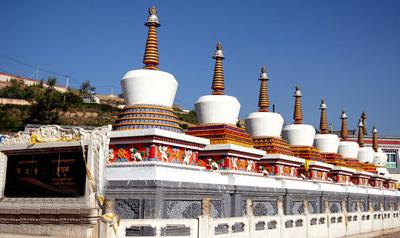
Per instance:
x=218, y=85
x=344, y=132
x=375, y=139
x=360, y=133
x=364, y=121
x=298, y=111
x=263, y=100
x=152, y=19
x=323, y=126
x=150, y=59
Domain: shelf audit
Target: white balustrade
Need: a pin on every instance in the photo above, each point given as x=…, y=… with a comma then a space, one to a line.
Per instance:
x=366, y=222
x=353, y=223
x=158, y=227
x=293, y=225
x=326, y=225
x=265, y=227
x=336, y=225
x=229, y=227
x=377, y=221
x=317, y=226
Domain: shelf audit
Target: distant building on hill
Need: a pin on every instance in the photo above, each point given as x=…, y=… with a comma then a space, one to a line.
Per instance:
x=6, y=77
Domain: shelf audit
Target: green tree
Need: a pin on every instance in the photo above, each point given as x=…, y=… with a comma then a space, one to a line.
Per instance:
x=86, y=88
x=44, y=110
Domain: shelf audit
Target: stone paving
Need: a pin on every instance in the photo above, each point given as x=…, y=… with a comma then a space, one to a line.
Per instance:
x=392, y=235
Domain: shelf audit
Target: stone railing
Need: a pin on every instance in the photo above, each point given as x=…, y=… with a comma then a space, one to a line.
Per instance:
x=157, y=228
x=326, y=225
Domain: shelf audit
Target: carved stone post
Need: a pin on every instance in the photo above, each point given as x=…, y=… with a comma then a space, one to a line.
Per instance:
x=204, y=219
x=105, y=227
x=280, y=205
x=249, y=207
x=305, y=206
x=370, y=206
x=358, y=206
x=344, y=205
x=326, y=206
x=206, y=207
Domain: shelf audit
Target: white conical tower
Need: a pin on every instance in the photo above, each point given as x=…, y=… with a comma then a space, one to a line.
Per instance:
x=365, y=154
x=298, y=134
x=149, y=93
x=217, y=108
x=380, y=156
x=264, y=123
x=347, y=149
x=325, y=142
x=150, y=85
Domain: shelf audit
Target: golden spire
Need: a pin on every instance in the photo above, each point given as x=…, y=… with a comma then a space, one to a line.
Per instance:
x=298, y=113
x=218, y=86
x=344, y=132
x=323, y=124
x=364, y=121
x=263, y=100
x=360, y=133
x=375, y=139
x=150, y=59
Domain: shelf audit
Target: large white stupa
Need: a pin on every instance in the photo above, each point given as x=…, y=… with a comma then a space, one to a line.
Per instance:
x=347, y=149
x=149, y=93
x=325, y=142
x=298, y=134
x=380, y=158
x=264, y=123
x=365, y=155
x=217, y=108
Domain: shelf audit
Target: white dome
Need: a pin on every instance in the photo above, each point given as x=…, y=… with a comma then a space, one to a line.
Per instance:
x=260, y=124
x=380, y=158
x=327, y=143
x=299, y=134
x=144, y=86
x=383, y=171
x=217, y=109
x=348, y=149
x=366, y=155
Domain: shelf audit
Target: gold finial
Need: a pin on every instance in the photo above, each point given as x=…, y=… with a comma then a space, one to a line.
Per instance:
x=344, y=132
x=375, y=139
x=360, y=133
x=323, y=126
x=218, y=85
x=298, y=112
x=153, y=11
x=150, y=59
x=263, y=100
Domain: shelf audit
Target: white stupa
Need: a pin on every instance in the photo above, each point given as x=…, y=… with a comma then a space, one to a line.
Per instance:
x=325, y=142
x=348, y=149
x=380, y=158
x=298, y=134
x=365, y=154
x=217, y=108
x=264, y=123
x=149, y=93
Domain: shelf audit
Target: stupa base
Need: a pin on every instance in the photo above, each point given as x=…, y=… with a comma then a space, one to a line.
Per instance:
x=272, y=145
x=230, y=157
x=316, y=170
x=307, y=152
x=280, y=165
x=147, y=116
x=341, y=175
x=222, y=134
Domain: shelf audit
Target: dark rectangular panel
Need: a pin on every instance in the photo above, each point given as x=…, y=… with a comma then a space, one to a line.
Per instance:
x=56, y=174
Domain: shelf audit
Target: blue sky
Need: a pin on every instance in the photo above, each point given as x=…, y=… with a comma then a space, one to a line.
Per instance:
x=347, y=51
